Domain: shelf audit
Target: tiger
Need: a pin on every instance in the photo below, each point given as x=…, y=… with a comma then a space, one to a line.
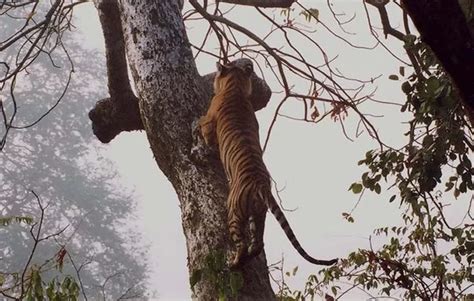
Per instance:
x=230, y=125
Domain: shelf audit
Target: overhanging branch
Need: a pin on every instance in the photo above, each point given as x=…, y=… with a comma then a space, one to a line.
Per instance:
x=120, y=112
x=262, y=3
x=387, y=28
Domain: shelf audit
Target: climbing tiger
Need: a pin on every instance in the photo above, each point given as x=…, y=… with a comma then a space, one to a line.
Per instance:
x=231, y=125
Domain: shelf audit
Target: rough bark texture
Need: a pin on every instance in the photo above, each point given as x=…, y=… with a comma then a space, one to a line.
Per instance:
x=172, y=95
x=443, y=27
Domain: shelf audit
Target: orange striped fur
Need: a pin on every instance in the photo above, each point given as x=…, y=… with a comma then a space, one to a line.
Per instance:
x=230, y=124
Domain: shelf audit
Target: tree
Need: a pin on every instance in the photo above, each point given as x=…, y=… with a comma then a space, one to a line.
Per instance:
x=201, y=189
x=171, y=96
x=453, y=48
x=49, y=159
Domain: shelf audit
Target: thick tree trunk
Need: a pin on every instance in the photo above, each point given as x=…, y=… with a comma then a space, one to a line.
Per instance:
x=442, y=25
x=172, y=95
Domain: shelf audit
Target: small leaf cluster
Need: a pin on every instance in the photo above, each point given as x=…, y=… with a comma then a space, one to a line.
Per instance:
x=215, y=270
x=30, y=284
x=55, y=290
x=312, y=290
x=6, y=221
x=309, y=14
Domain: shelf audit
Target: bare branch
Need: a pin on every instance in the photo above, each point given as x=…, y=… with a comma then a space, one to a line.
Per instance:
x=262, y=3
x=387, y=28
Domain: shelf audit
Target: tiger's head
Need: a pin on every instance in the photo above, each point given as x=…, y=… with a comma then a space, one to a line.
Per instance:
x=232, y=74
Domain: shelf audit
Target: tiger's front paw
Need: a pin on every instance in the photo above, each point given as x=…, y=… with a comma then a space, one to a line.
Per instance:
x=240, y=257
x=255, y=249
x=199, y=150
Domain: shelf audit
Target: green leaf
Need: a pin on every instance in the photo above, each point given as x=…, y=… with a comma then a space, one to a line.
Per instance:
x=401, y=70
x=432, y=84
x=195, y=277
x=314, y=12
x=311, y=13
x=393, y=77
x=295, y=269
x=334, y=290
x=356, y=188
x=236, y=282
x=29, y=295
x=406, y=87
x=377, y=188
x=456, y=192
x=449, y=186
x=66, y=283
x=5, y=221
x=50, y=290
x=457, y=232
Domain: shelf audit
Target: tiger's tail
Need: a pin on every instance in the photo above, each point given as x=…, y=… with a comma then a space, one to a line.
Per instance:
x=280, y=217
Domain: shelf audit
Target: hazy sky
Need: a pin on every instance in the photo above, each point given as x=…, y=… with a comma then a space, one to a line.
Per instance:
x=314, y=162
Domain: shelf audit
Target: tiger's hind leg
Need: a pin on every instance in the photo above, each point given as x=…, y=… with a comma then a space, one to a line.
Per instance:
x=236, y=217
x=257, y=221
x=256, y=227
x=236, y=226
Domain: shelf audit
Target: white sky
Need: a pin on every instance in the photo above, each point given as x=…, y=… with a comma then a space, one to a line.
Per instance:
x=315, y=163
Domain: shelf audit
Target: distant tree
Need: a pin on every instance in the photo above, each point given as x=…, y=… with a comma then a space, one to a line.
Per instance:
x=56, y=158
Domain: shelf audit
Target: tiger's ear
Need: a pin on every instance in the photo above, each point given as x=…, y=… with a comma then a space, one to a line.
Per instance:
x=221, y=69
x=248, y=69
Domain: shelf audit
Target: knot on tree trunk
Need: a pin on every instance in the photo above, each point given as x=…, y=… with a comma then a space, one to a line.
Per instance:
x=110, y=117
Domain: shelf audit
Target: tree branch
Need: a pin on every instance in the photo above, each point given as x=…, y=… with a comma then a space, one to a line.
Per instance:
x=262, y=3
x=387, y=28
x=120, y=112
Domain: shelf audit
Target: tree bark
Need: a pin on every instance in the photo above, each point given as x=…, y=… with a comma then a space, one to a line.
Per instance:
x=442, y=25
x=171, y=97
x=119, y=112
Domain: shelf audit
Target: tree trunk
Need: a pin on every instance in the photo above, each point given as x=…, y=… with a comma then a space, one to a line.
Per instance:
x=443, y=26
x=172, y=95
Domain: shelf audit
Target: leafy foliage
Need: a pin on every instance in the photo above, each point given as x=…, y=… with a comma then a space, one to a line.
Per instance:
x=55, y=290
x=29, y=284
x=426, y=258
x=5, y=221
x=216, y=271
